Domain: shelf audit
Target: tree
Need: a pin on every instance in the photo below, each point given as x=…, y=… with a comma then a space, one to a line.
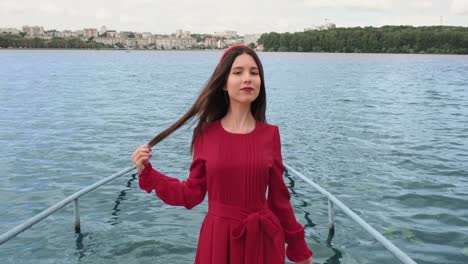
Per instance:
x=389, y=39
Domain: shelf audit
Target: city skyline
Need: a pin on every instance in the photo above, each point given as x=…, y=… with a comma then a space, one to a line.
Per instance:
x=165, y=17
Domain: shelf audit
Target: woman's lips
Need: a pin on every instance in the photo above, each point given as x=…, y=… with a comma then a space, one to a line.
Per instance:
x=247, y=89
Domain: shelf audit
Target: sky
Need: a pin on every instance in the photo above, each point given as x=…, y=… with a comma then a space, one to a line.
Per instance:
x=243, y=16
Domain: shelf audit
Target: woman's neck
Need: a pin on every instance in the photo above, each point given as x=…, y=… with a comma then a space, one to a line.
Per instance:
x=238, y=119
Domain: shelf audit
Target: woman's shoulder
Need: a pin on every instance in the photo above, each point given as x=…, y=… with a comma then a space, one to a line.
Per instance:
x=267, y=131
x=207, y=129
x=269, y=126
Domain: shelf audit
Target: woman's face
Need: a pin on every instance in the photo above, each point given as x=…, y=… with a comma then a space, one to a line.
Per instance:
x=243, y=84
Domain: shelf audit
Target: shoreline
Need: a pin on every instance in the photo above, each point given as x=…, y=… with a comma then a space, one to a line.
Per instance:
x=207, y=50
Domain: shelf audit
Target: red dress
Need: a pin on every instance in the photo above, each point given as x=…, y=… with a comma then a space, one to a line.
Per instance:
x=249, y=217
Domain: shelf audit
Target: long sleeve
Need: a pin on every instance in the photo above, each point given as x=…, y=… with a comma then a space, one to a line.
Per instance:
x=279, y=203
x=188, y=193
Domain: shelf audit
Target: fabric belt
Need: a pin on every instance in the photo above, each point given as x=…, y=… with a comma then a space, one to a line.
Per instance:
x=252, y=224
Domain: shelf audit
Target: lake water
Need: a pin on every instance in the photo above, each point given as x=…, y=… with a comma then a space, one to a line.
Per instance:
x=387, y=134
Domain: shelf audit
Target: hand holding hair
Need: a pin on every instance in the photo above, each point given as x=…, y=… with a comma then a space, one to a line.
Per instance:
x=141, y=157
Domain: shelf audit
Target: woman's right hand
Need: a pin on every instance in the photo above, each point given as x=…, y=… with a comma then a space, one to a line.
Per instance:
x=141, y=157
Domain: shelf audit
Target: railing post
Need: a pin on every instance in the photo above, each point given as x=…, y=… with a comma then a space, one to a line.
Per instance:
x=77, y=216
x=331, y=221
x=54, y=208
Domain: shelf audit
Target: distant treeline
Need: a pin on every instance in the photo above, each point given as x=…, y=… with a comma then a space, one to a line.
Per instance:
x=20, y=41
x=387, y=39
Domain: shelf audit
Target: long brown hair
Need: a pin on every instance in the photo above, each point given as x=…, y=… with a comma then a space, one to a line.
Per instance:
x=213, y=102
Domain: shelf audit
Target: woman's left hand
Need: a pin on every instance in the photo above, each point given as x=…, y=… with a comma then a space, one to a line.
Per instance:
x=306, y=261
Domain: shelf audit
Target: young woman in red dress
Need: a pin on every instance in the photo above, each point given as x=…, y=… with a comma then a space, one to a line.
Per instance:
x=237, y=161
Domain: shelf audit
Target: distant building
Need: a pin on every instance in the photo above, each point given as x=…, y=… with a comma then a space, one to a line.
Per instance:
x=136, y=43
x=326, y=26
x=251, y=38
x=164, y=42
x=9, y=30
x=53, y=33
x=108, y=41
x=221, y=44
x=182, y=34
x=34, y=31
x=146, y=35
x=226, y=34
x=103, y=30
x=90, y=33
x=233, y=41
x=210, y=42
x=259, y=47
x=111, y=33
x=181, y=39
x=126, y=34
x=79, y=33
x=66, y=34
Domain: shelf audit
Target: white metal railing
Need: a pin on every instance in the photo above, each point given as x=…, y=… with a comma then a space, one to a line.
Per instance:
x=332, y=200
x=54, y=208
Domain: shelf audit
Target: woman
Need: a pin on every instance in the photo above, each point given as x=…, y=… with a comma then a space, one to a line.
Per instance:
x=237, y=160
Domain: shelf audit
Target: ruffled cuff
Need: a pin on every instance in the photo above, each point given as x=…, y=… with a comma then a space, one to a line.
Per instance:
x=297, y=249
x=146, y=179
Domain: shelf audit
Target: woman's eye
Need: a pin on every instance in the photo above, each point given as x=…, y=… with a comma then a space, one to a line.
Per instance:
x=254, y=73
x=236, y=73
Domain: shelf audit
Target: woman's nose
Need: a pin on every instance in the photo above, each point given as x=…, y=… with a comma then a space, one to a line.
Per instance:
x=247, y=77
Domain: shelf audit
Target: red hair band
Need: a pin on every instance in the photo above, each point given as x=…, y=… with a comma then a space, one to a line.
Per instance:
x=230, y=49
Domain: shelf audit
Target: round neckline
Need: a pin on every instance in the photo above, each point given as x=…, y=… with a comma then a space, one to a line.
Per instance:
x=238, y=134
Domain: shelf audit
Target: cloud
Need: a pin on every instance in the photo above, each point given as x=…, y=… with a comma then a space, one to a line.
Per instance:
x=10, y=7
x=320, y=3
x=72, y=12
x=131, y=4
x=361, y=5
x=103, y=14
x=410, y=19
x=371, y=5
x=282, y=24
x=459, y=7
x=49, y=8
x=129, y=19
x=420, y=4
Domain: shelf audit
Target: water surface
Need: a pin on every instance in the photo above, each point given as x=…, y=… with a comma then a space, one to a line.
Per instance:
x=387, y=134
